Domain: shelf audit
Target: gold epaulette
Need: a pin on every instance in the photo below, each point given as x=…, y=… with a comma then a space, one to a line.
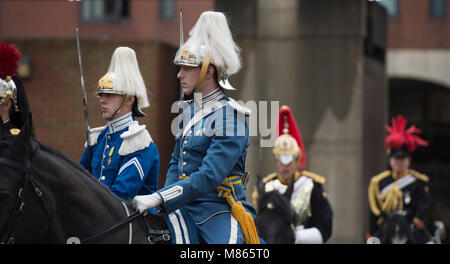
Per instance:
x=377, y=178
x=420, y=176
x=317, y=178
x=375, y=200
x=270, y=177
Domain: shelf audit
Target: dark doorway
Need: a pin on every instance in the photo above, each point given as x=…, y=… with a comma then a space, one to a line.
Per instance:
x=427, y=105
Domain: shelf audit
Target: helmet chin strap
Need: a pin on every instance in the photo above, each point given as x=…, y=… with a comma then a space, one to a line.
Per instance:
x=203, y=71
x=120, y=108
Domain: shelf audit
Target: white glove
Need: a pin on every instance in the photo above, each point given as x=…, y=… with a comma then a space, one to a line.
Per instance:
x=308, y=235
x=144, y=202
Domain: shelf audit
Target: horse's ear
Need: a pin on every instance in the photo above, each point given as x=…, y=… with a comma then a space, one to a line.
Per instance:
x=21, y=145
x=290, y=188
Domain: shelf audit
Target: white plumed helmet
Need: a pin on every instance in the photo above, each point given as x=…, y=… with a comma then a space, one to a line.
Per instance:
x=124, y=77
x=211, y=42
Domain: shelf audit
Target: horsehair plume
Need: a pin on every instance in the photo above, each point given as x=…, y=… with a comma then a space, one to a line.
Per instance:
x=9, y=59
x=287, y=125
x=212, y=30
x=398, y=136
x=126, y=68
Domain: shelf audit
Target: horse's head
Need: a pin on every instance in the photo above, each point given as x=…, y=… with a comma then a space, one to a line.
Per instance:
x=275, y=218
x=397, y=229
x=47, y=198
x=4, y=186
x=13, y=150
x=14, y=161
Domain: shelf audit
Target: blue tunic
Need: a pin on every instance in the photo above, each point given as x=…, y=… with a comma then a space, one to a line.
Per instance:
x=210, y=150
x=123, y=157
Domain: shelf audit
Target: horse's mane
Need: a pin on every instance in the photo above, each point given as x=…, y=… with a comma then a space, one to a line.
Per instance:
x=75, y=167
x=64, y=158
x=6, y=142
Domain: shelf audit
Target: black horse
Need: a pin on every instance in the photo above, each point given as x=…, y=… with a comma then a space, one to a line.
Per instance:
x=275, y=219
x=47, y=198
x=399, y=229
x=396, y=229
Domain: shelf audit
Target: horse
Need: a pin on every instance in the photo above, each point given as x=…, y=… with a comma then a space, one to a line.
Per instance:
x=396, y=229
x=275, y=219
x=47, y=198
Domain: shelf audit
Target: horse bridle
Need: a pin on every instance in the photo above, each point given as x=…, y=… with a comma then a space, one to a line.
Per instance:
x=19, y=205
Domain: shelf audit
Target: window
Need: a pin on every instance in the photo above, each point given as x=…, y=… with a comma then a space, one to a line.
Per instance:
x=105, y=10
x=438, y=8
x=166, y=10
x=391, y=6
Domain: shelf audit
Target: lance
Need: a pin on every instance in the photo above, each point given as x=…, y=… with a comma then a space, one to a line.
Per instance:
x=181, y=28
x=181, y=44
x=180, y=103
x=83, y=89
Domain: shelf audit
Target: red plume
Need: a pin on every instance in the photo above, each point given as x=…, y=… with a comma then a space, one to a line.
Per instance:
x=398, y=136
x=9, y=59
x=287, y=123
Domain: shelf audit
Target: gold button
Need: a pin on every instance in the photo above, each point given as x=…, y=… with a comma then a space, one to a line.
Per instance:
x=184, y=164
x=184, y=152
x=102, y=178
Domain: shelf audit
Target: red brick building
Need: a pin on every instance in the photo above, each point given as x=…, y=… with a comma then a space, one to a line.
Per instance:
x=419, y=24
x=44, y=30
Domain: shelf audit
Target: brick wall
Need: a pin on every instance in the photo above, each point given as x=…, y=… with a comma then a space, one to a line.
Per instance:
x=54, y=90
x=58, y=18
x=414, y=28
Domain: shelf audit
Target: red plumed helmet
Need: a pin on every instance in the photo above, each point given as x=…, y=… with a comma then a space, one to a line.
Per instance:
x=399, y=137
x=288, y=130
x=9, y=59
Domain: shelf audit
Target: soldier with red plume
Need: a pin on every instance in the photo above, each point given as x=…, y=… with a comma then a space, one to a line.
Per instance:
x=314, y=215
x=400, y=188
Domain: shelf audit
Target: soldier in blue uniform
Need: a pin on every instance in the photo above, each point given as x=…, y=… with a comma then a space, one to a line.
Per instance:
x=122, y=154
x=204, y=175
x=400, y=188
x=314, y=216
